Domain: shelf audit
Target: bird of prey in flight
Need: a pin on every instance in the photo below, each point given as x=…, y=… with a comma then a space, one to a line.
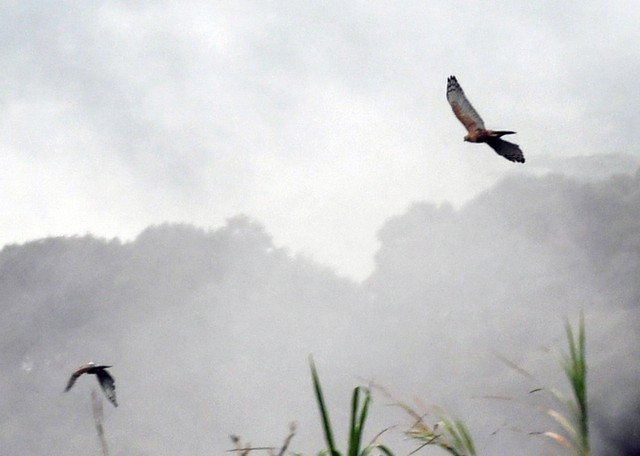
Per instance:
x=105, y=379
x=475, y=126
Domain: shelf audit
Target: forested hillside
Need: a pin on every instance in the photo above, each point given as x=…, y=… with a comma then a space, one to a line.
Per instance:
x=208, y=331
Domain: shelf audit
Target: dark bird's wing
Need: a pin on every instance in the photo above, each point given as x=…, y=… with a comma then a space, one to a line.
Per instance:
x=508, y=150
x=462, y=107
x=108, y=385
x=73, y=379
x=78, y=372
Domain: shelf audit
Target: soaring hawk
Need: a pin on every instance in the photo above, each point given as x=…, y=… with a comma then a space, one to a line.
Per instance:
x=105, y=379
x=475, y=126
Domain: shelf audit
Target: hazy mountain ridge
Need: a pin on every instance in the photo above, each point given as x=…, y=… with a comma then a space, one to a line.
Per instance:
x=209, y=330
x=500, y=274
x=179, y=298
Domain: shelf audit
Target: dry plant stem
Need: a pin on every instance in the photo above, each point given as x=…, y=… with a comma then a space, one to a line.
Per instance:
x=287, y=441
x=244, y=449
x=98, y=418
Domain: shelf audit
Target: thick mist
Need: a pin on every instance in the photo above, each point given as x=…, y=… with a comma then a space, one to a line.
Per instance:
x=209, y=331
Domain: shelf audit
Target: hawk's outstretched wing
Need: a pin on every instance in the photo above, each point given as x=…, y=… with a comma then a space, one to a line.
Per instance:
x=72, y=380
x=108, y=385
x=508, y=150
x=462, y=107
x=77, y=373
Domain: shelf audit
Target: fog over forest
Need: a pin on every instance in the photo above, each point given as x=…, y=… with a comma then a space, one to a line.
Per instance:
x=209, y=330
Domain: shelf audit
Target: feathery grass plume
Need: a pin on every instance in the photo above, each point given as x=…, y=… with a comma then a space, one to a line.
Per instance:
x=359, y=412
x=449, y=433
x=98, y=419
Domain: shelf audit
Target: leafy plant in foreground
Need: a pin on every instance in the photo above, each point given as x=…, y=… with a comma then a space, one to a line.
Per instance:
x=360, y=401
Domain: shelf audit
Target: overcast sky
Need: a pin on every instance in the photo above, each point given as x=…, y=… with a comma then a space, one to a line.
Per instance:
x=320, y=119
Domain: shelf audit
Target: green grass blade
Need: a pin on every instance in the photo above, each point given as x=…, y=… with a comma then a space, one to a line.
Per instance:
x=324, y=413
x=575, y=367
x=358, y=419
x=465, y=435
x=363, y=417
x=354, y=437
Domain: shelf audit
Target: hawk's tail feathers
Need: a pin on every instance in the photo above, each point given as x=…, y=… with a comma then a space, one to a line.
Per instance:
x=508, y=150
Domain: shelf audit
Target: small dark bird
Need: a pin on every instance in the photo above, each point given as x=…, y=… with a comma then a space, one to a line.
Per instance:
x=472, y=121
x=105, y=379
